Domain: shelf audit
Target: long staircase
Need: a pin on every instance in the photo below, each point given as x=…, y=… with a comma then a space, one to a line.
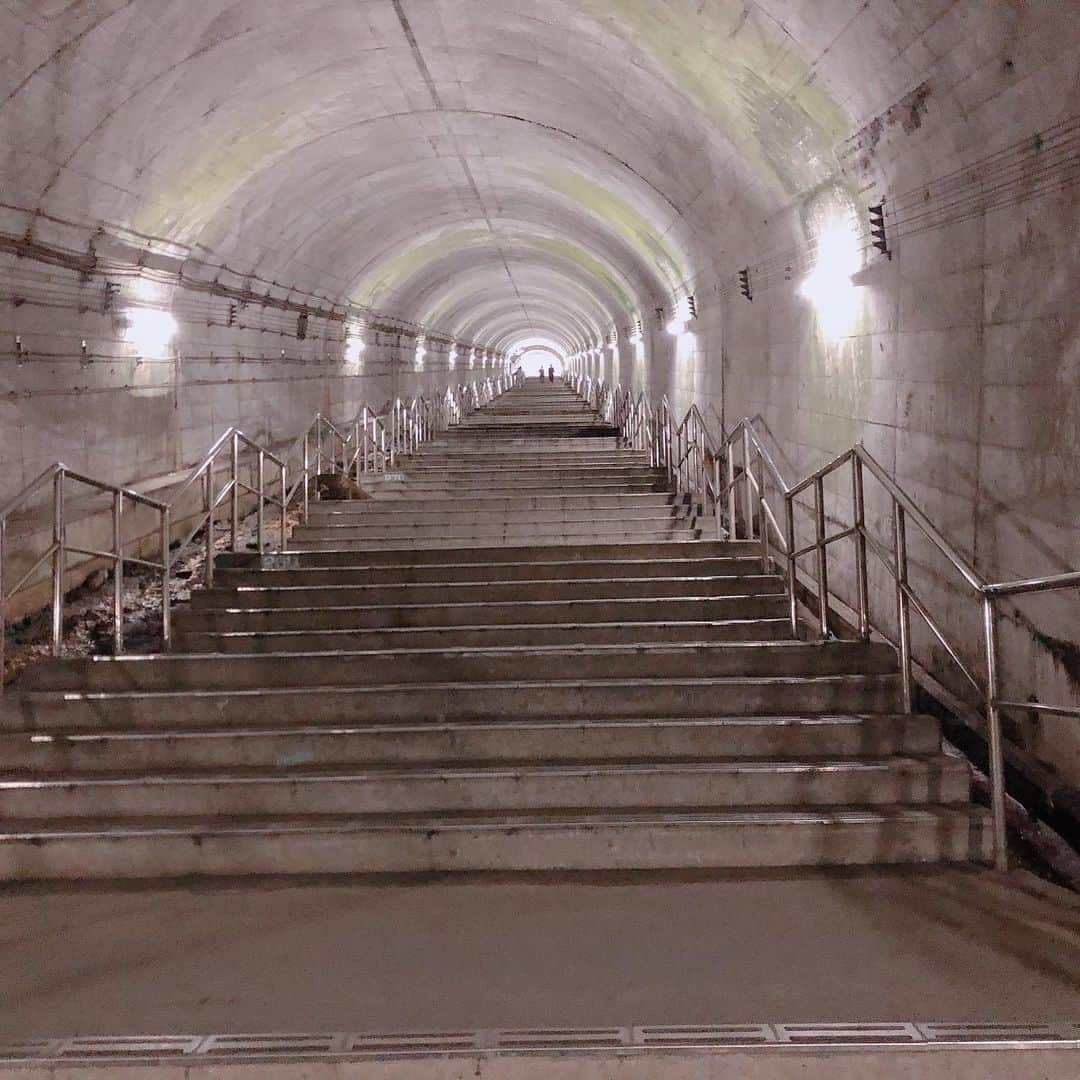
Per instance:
x=519, y=656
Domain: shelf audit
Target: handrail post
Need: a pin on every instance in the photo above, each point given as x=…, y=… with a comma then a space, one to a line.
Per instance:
x=367, y=439
x=166, y=575
x=235, y=465
x=862, y=583
x=306, y=485
x=996, y=769
x=260, y=517
x=792, y=564
x=716, y=497
x=118, y=572
x=732, y=494
x=59, y=558
x=208, y=506
x=3, y=602
x=284, y=507
x=822, y=556
x=358, y=449
x=763, y=518
x=903, y=604
x=748, y=485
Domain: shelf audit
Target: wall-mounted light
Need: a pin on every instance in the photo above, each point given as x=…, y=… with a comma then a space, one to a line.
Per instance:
x=150, y=330
x=685, y=313
x=354, y=349
x=829, y=285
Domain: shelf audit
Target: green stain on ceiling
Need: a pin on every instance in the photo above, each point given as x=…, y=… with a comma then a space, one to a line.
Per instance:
x=744, y=73
x=391, y=272
x=627, y=223
x=564, y=249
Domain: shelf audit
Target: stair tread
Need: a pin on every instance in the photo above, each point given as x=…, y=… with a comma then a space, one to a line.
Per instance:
x=481, y=771
x=459, y=820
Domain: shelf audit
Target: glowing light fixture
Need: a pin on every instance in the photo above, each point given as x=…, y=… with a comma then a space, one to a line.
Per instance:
x=150, y=330
x=829, y=286
x=354, y=350
x=452, y=359
x=685, y=313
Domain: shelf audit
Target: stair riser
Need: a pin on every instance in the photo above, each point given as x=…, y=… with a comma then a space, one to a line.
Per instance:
x=711, y=549
x=432, y=542
x=591, y=740
x=380, y=515
x=407, y=525
x=449, y=536
x=329, y=512
x=850, y=785
x=493, y=572
x=483, y=592
x=171, y=673
x=480, y=637
x=627, y=847
x=685, y=698
x=597, y=611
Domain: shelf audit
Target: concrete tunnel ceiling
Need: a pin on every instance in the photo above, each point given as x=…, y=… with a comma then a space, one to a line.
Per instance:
x=511, y=171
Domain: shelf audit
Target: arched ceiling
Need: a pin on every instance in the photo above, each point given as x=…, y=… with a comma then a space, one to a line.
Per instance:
x=495, y=170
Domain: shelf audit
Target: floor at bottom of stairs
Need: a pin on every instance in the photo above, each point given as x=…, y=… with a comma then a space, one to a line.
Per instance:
x=466, y=954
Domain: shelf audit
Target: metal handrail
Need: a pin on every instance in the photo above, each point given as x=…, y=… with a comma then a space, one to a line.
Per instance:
x=685, y=449
x=55, y=477
x=676, y=446
x=858, y=461
x=370, y=447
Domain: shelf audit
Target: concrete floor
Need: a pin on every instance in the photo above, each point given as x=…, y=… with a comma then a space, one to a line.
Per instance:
x=373, y=957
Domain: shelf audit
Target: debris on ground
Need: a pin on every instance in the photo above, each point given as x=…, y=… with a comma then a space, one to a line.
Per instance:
x=88, y=610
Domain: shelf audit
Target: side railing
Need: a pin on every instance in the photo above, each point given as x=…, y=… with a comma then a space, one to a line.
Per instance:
x=684, y=448
x=740, y=477
x=54, y=484
x=235, y=470
x=767, y=491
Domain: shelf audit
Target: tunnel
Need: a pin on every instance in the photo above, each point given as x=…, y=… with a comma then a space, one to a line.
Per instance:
x=847, y=230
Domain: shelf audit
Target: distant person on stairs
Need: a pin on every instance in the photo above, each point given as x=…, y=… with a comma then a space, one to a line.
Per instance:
x=551, y=373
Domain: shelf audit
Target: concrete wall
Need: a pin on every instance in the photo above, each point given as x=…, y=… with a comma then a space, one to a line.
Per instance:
x=960, y=368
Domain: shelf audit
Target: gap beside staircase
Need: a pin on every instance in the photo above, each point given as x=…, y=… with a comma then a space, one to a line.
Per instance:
x=520, y=657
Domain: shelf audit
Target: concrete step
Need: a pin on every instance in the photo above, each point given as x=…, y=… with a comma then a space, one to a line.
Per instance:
x=498, y=740
x=629, y=698
x=517, y=613
x=613, y=840
x=481, y=475
x=481, y=555
x=481, y=636
x=643, y=660
x=658, y=527
x=474, y=592
x=380, y=515
x=304, y=791
x=496, y=442
x=403, y=502
x=429, y=541
x=384, y=512
x=551, y=569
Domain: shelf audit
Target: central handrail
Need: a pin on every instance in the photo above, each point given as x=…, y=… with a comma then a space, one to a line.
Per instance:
x=644, y=426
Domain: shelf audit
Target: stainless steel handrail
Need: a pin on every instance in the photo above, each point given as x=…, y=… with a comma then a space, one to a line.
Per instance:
x=858, y=462
x=56, y=478
x=369, y=447
x=675, y=445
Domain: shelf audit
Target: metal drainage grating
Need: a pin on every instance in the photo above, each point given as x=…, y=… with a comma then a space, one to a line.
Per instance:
x=703, y=1039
